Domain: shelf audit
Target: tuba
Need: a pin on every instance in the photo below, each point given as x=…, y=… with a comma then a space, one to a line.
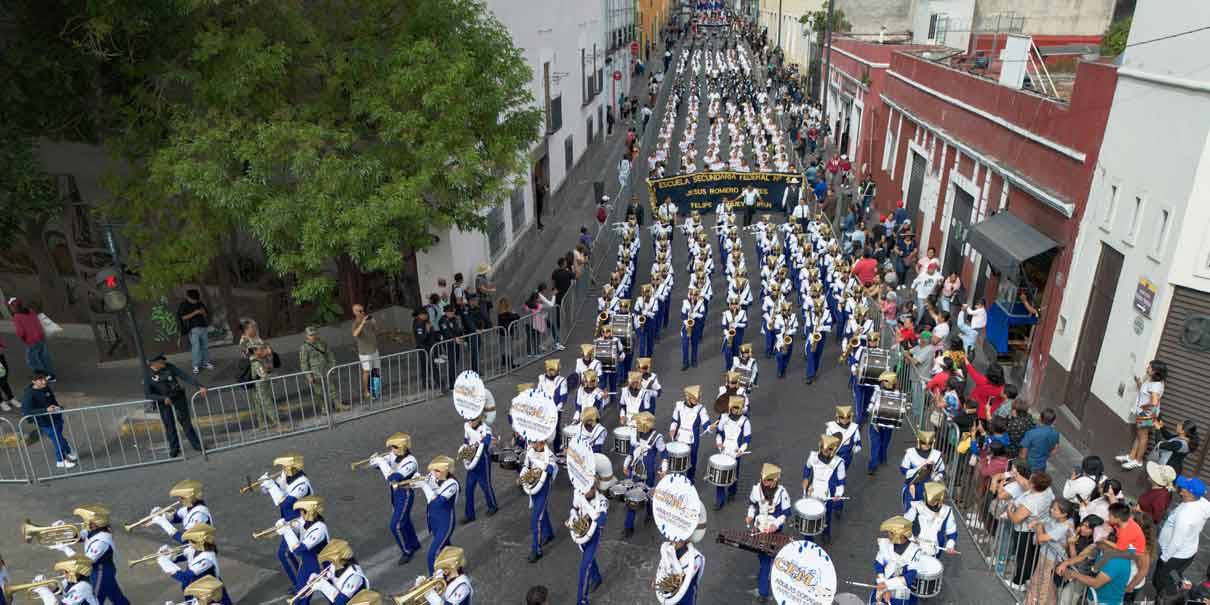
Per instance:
x=667, y=584
x=52, y=535
x=417, y=595
x=529, y=477
x=466, y=453
x=579, y=525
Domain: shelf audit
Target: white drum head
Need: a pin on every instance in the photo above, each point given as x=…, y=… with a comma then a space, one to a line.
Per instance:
x=928, y=565
x=722, y=461
x=677, y=449
x=624, y=432
x=810, y=507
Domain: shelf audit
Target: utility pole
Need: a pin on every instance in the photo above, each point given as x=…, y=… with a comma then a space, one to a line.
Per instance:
x=119, y=267
x=779, y=19
x=827, y=91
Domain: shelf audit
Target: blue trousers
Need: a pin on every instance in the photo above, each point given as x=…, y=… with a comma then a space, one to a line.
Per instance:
x=104, y=582
x=37, y=357
x=611, y=384
x=643, y=336
x=632, y=513
x=401, y=525
x=762, y=580
x=589, y=572
x=720, y=493
x=689, y=344
x=861, y=401
x=691, y=472
x=769, y=338
x=730, y=352
x=289, y=564
x=557, y=444
x=55, y=434
x=441, y=538
x=815, y=355
x=308, y=563
x=783, y=360
x=480, y=476
x=880, y=442
x=539, y=520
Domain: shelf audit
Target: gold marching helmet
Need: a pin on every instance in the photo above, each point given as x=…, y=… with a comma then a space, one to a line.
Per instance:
x=443, y=464
x=590, y=414
x=732, y=377
x=634, y=378
x=644, y=364
x=189, y=491
x=206, y=589
x=93, y=515
x=828, y=444
x=401, y=441
x=888, y=380
x=337, y=552
x=451, y=559
x=844, y=413
x=586, y=351
x=199, y=536
x=76, y=567
x=591, y=379
x=925, y=439
x=693, y=394
x=311, y=507
x=644, y=422
x=934, y=493
x=290, y=463
x=366, y=597
x=897, y=528
x=551, y=365
x=735, y=404
x=770, y=472
x=745, y=349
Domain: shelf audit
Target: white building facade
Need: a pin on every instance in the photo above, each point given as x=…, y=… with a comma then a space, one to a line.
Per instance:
x=1139, y=285
x=573, y=50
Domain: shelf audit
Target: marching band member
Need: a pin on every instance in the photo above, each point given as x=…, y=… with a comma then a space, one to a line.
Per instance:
x=679, y=559
x=613, y=344
x=731, y=388
x=644, y=319
x=441, y=490
x=634, y=400
x=590, y=430
x=745, y=362
x=606, y=302
x=75, y=589
x=451, y=566
x=880, y=436
x=823, y=477
x=784, y=327
x=819, y=322
x=590, y=507
x=400, y=465
x=587, y=362
x=345, y=579
x=98, y=548
x=310, y=539
x=589, y=395
x=555, y=388
x=861, y=392
x=200, y=558
x=733, y=437
x=735, y=320
x=476, y=459
x=689, y=421
x=933, y=524
x=920, y=464
x=646, y=462
x=693, y=309
x=665, y=296
x=769, y=308
x=741, y=289
x=849, y=432
x=192, y=509
x=893, y=564
x=537, y=476
x=286, y=488
x=768, y=506
x=651, y=381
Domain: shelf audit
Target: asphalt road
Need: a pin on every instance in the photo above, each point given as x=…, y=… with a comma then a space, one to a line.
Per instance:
x=787, y=418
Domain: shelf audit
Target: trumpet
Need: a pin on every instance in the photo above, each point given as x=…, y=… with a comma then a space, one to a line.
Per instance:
x=174, y=551
x=309, y=588
x=52, y=535
x=417, y=595
x=250, y=485
x=363, y=463
x=55, y=584
x=265, y=533
x=412, y=483
x=149, y=518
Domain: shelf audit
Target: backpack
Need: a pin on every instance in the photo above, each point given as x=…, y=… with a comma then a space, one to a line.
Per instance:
x=601, y=216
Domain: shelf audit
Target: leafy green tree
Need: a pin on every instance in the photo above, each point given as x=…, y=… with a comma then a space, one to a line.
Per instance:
x=1114, y=40
x=818, y=21
x=332, y=129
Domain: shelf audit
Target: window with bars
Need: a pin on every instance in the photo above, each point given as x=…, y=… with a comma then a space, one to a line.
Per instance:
x=556, y=115
x=569, y=153
x=496, y=237
x=517, y=205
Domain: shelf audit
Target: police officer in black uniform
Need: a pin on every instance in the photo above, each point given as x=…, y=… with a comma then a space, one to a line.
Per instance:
x=163, y=386
x=451, y=327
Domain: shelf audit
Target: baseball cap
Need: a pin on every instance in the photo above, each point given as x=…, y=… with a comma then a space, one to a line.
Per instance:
x=1193, y=485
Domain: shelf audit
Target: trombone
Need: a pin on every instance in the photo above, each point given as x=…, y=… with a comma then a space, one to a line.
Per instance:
x=64, y=534
x=172, y=552
x=55, y=584
x=364, y=463
x=145, y=521
x=265, y=533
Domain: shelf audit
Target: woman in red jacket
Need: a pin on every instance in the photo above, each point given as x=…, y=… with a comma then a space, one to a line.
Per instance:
x=989, y=389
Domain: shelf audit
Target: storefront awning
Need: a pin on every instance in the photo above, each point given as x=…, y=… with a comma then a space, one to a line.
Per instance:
x=1006, y=241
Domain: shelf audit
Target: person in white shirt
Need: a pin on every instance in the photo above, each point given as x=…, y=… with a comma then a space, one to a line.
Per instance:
x=924, y=284
x=750, y=195
x=1178, y=539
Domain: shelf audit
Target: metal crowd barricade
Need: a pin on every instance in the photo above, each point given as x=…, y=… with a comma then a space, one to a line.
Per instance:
x=403, y=379
x=96, y=438
x=12, y=454
x=250, y=412
x=487, y=352
x=529, y=340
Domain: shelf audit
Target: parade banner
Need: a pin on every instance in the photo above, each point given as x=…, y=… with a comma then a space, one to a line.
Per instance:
x=676, y=507
x=581, y=465
x=470, y=396
x=803, y=574
x=702, y=191
x=534, y=416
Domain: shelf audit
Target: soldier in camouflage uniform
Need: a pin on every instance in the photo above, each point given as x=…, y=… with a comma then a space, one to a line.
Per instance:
x=264, y=412
x=316, y=357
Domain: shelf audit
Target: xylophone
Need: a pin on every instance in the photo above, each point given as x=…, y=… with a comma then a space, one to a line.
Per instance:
x=760, y=543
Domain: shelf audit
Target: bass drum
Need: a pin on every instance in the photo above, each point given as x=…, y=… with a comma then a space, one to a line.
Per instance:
x=890, y=410
x=873, y=364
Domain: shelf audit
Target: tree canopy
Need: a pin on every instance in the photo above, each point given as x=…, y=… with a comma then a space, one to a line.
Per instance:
x=818, y=20
x=326, y=129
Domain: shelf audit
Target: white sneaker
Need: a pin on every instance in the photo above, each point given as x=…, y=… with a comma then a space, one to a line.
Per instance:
x=73, y=457
x=5, y=406
x=559, y=346
x=1132, y=464
x=1124, y=458
x=65, y=464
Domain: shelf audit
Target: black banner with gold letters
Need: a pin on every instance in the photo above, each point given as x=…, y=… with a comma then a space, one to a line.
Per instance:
x=702, y=191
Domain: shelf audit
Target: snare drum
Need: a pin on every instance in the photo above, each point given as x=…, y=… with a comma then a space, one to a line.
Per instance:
x=678, y=457
x=809, y=517
x=570, y=432
x=622, y=438
x=636, y=496
x=889, y=410
x=618, y=490
x=873, y=364
x=928, y=577
x=721, y=470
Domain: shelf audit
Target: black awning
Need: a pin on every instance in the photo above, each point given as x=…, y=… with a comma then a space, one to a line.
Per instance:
x=1006, y=241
